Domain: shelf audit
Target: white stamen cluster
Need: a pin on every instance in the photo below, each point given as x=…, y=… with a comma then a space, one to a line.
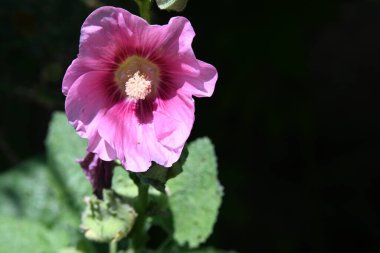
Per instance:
x=138, y=86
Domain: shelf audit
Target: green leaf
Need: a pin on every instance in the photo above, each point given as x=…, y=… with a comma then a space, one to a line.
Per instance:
x=195, y=195
x=64, y=147
x=30, y=191
x=174, y=5
x=21, y=235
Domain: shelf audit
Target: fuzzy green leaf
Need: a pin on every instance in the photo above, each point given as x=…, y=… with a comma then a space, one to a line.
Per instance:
x=21, y=235
x=174, y=5
x=30, y=190
x=195, y=195
x=64, y=147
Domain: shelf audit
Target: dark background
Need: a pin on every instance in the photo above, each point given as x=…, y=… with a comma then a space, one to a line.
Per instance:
x=294, y=116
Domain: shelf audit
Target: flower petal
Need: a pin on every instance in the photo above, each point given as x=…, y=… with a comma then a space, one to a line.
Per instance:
x=78, y=67
x=177, y=36
x=103, y=149
x=173, y=121
x=171, y=42
x=135, y=143
x=106, y=30
x=199, y=84
x=174, y=41
x=85, y=102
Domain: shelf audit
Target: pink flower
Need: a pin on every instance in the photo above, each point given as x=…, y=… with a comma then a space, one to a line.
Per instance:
x=129, y=91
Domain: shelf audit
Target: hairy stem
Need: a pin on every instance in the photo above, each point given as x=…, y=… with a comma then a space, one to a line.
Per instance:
x=113, y=246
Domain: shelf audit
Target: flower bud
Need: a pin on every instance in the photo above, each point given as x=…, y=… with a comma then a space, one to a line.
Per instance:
x=98, y=172
x=108, y=219
x=172, y=5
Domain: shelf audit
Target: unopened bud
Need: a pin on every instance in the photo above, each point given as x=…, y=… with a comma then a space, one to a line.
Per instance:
x=108, y=219
x=172, y=5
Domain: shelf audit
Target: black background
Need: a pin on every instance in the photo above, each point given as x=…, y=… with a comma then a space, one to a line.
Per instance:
x=294, y=117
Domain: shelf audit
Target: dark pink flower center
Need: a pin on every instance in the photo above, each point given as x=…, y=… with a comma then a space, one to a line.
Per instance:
x=137, y=78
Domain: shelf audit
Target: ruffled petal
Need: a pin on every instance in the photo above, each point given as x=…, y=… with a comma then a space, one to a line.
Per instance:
x=86, y=101
x=174, y=38
x=173, y=121
x=198, y=83
x=135, y=143
x=174, y=41
x=108, y=29
x=171, y=42
x=78, y=67
x=101, y=147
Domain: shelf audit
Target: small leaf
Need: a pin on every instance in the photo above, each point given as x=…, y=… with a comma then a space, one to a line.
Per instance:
x=157, y=175
x=64, y=147
x=21, y=235
x=174, y=5
x=195, y=195
x=122, y=184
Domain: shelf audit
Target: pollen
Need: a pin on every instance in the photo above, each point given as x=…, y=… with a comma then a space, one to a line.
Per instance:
x=138, y=86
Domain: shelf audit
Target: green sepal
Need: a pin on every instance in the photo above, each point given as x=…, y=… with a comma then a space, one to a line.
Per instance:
x=157, y=175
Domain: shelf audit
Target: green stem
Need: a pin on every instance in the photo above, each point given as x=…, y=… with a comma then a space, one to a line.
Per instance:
x=113, y=246
x=144, y=6
x=139, y=237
